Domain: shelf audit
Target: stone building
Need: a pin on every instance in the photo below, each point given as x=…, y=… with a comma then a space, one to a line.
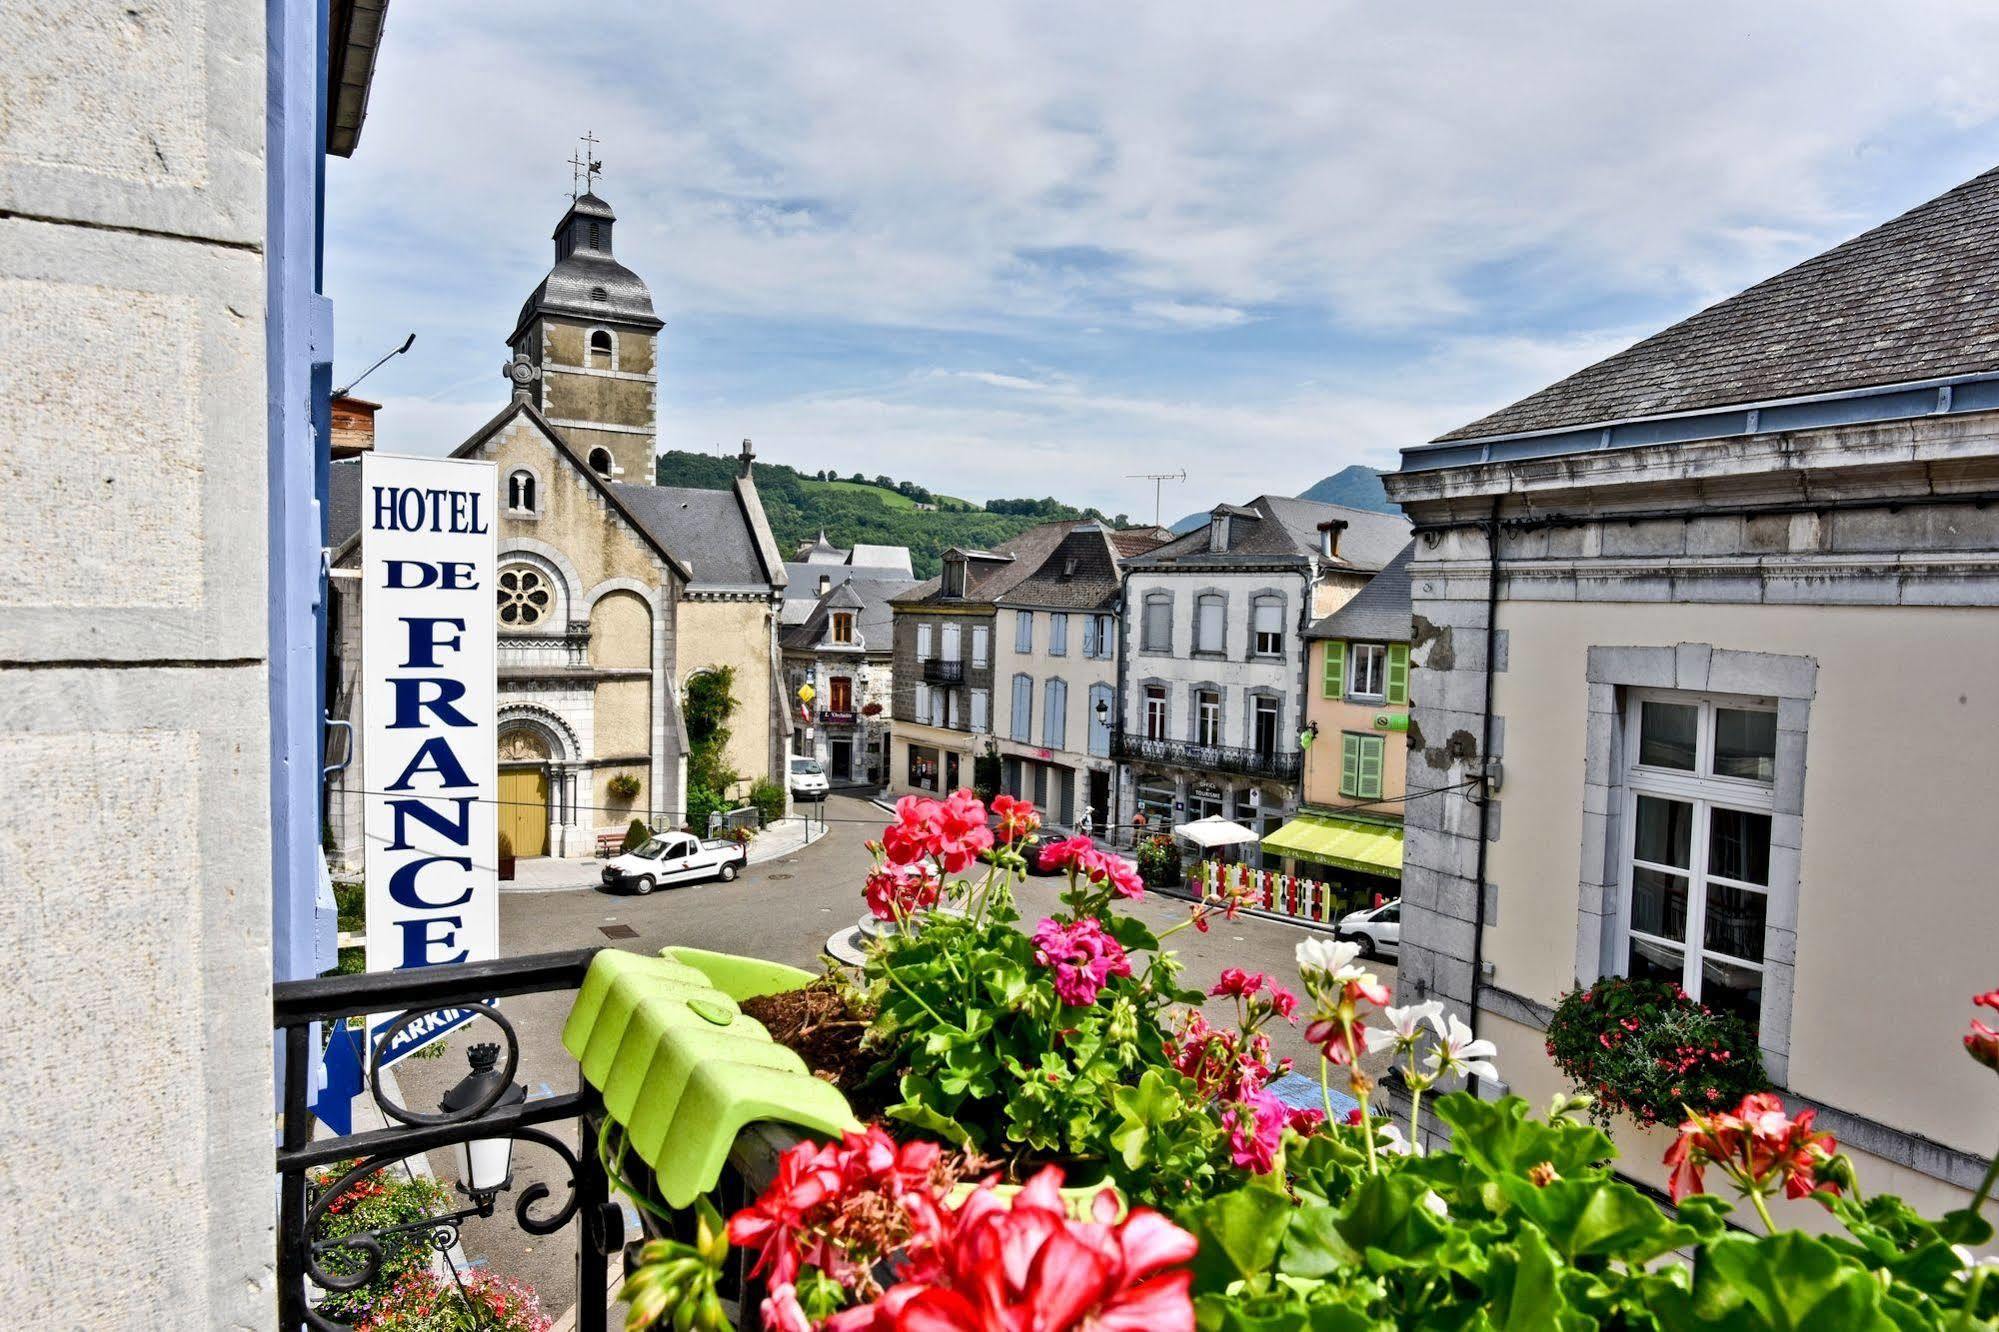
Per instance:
x=614, y=590
x=1712, y=628
x=1213, y=667
x=839, y=638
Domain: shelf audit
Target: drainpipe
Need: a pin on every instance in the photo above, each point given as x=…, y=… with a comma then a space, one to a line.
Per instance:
x=1117, y=702
x=1485, y=760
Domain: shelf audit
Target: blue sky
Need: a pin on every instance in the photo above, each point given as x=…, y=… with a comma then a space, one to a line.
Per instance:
x=1031, y=248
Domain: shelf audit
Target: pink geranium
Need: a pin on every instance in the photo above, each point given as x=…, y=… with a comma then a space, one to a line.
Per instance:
x=1083, y=957
x=1082, y=857
x=952, y=831
x=1982, y=1041
x=1255, y=1126
x=1027, y=1267
x=898, y=891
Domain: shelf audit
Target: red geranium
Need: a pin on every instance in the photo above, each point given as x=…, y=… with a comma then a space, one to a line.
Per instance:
x=952, y=831
x=1017, y=819
x=1982, y=1042
x=1754, y=1145
x=899, y=891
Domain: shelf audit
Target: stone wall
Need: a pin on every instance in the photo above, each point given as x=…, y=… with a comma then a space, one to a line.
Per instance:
x=133, y=648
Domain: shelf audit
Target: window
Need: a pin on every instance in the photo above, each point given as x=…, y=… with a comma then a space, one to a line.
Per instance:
x=949, y=636
x=1058, y=634
x=1055, y=715
x=1699, y=791
x=1022, y=728
x=1209, y=608
x=1155, y=800
x=1103, y=701
x=922, y=640
x=602, y=353
x=525, y=597
x=1366, y=672
x=1155, y=712
x=1265, y=713
x=981, y=645
x=596, y=235
x=1023, y=631
x=1267, y=621
x=981, y=705
x=600, y=461
x=1360, y=764
x=1156, y=632
x=1207, y=717
x=520, y=492
x=954, y=578
x=922, y=702
x=840, y=694
x=1097, y=636
x=940, y=707
x=843, y=627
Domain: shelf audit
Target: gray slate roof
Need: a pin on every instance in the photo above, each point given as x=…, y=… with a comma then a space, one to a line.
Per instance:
x=990, y=575
x=1277, y=528
x=1910, y=300
x=706, y=528
x=1379, y=612
x=343, y=503
x=875, y=622
x=1080, y=573
x=571, y=286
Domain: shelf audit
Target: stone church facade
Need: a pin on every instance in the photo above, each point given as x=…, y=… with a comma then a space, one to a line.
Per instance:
x=614, y=591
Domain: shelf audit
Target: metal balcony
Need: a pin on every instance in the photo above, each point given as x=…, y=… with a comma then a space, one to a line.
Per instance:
x=1277, y=766
x=937, y=671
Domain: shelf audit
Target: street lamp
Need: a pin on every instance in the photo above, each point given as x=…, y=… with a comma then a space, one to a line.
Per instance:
x=1103, y=710
x=485, y=1167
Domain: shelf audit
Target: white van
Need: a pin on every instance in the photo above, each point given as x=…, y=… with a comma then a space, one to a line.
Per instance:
x=808, y=779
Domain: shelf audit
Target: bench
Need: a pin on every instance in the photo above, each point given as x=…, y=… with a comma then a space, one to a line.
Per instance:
x=610, y=844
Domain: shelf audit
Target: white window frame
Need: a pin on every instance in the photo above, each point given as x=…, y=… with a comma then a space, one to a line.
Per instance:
x=1149, y=713
x=1378, y=655
x=1256, y=635
x=1163, y=643
x=1203, y=734
x=1705, y=792
x=981, y=646
x=1221, y=604
x=981, y=710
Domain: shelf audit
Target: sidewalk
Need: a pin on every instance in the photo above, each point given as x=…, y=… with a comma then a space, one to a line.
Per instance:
x=551, y=874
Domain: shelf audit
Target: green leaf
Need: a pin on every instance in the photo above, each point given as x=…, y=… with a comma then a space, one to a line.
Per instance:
x=1141, y=1111
x=1522, y=1291
x=1597, y=1218
x=1498, y=1138
x=1313, y=1245
x=1787, y=1282
x=1386, y=1218
x=1239, y=1235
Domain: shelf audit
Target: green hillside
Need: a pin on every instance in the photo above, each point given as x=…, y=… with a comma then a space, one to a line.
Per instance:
x=881, y=512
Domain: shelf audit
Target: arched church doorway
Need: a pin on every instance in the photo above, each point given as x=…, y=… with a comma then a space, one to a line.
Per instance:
x=524, y=759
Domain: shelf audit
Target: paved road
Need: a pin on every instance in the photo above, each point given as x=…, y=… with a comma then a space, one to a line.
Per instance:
x=783, y=910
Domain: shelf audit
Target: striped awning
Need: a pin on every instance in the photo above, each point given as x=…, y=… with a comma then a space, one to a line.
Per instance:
x=1370, y=848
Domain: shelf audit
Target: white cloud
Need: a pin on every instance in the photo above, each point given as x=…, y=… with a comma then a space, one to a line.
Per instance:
x=1186, y=315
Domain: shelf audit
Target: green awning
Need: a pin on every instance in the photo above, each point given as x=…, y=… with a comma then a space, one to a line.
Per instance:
x=1370, y=848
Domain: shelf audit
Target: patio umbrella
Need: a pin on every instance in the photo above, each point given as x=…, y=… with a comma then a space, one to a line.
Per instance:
x=1215, y=831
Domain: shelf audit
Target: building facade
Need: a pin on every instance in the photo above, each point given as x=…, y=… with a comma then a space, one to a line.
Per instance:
x=1213, y=664
x=1711, y=626
x=839, y=638
x=1055, y=676
x=1347, y=832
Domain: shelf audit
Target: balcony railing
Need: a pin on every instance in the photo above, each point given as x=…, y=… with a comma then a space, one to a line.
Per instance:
x=1276, y=766
x=937, y=671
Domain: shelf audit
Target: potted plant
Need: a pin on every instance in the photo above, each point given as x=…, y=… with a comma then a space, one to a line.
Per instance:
x=506, y=857
x=623, y=786
x=1643, y=1048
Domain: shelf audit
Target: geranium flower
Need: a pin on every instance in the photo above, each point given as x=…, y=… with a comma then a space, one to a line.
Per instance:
x=1982, y=1042
x=1255, y=1126
x=782, y=1312
x=1082, y=956
x=1081, y=856
x=952, y=831
x=1238, y=983
x=1754, y=1145
x=1337, y=1041
x=901, y=890
x=1458, y=1053
x=1305, y=1120
x=1281, y=1001
x=1017, y=819
x=806, y=1177
x=1404, y=1030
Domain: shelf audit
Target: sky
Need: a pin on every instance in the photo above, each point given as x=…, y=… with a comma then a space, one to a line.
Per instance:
x=1014, y=249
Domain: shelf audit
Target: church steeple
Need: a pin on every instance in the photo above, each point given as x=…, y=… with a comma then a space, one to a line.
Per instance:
x=590, y=330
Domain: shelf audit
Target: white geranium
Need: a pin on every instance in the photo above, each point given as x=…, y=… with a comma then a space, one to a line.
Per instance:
x=1458, y=1053
x=1329, y=957
x=1405, y=1027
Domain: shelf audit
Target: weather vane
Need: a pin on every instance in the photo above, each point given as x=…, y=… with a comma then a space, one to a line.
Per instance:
x=584, y=167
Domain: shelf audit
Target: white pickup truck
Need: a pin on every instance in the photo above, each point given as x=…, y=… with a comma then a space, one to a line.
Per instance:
x=675, y=857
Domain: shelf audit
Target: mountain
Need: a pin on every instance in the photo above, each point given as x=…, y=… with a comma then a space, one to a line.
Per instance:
x=1356, y=487
x=879, y=512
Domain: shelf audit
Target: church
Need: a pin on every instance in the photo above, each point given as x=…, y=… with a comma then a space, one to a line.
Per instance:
x=614, y=591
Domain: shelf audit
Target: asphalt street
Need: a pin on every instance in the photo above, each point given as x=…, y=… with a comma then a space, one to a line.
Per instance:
x=784, y=910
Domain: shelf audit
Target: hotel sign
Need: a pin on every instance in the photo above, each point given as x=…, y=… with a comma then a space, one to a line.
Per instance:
x=429, y=755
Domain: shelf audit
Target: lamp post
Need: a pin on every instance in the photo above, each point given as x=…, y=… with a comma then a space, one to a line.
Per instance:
x=485, y=1166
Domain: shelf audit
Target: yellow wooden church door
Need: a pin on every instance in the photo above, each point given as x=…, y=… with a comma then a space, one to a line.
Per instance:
x=524, y=810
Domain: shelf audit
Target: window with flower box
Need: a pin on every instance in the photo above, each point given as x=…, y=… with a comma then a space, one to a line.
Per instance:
x=1699, y=784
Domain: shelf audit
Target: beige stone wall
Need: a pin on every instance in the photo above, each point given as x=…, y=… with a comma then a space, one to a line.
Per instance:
x=1894, y=912
x=626, y=397
x=621, y=639
x=735, y=634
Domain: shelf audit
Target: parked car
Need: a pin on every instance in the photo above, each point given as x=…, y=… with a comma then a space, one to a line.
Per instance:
x=675, y=858
x=1378, y=930
x=808, y=779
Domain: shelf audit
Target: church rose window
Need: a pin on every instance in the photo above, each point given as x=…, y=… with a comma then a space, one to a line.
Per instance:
x=524, y=596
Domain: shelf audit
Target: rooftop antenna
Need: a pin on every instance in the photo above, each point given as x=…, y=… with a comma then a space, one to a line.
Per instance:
x=1157, y=479
x=584, y=167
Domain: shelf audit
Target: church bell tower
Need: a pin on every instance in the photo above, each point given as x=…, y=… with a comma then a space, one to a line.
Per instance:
x=590, y=331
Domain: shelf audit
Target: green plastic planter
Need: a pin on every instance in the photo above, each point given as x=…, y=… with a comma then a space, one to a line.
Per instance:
x=683, y=1070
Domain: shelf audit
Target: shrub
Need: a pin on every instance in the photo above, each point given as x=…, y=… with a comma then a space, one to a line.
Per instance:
x=350, y=900
x=1159, y=861
x=703, y=801
x=624, y=786
x=768, y=797
x=384, y=1198
x=1645, y=1048
x=636, y=836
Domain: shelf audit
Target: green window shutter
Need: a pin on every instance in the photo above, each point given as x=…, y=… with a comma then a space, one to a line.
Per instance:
x=1349, y=764
x=1398, y=673
x=1336, y=661
x=1369, y=783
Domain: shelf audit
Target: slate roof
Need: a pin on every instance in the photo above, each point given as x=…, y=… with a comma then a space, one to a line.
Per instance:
x=1910, y=300
x=1278, y=527
x=572, y=285
x=875, y=622
x=343, y=503
x=1080, y=573
x=1379, y=612
x=707, y=529
x=990, y=575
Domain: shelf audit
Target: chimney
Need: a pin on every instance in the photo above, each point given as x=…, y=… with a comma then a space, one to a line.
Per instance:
x=745, y=458
x=353, y=427
x=825, y=584
x=1329, y=537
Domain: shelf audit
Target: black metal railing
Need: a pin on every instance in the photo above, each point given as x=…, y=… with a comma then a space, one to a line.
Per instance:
x=414, y=994
x=938, y=671
x=1276, y=765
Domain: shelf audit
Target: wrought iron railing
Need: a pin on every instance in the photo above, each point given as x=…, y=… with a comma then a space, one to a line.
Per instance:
x=415, y=994
x=1274, y=765
x=938, y=671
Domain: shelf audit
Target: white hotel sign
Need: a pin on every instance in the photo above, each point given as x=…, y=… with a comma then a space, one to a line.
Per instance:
x=429, y=756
